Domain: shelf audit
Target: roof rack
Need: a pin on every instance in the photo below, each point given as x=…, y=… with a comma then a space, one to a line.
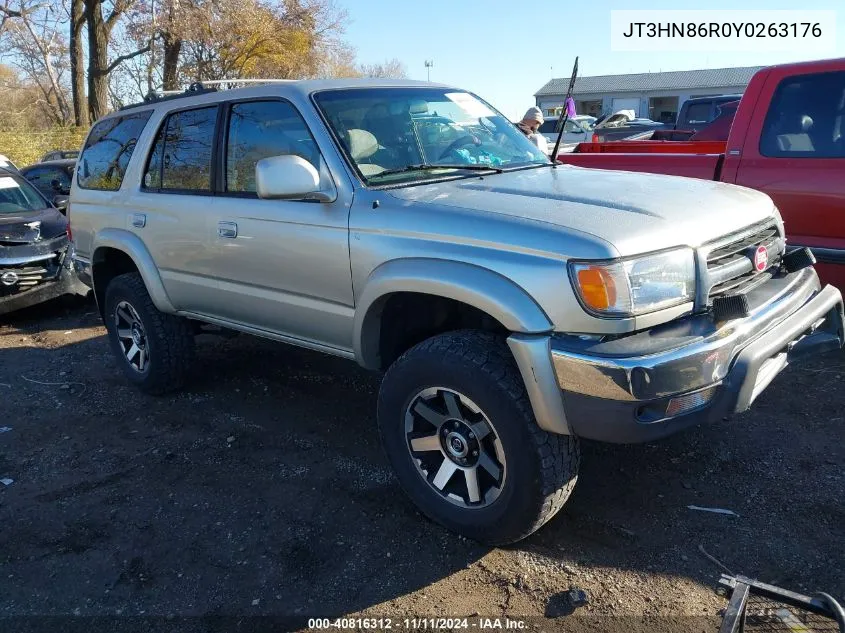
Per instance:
x=198, y=88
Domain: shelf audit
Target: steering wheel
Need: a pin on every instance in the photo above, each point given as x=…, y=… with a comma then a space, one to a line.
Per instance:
x=459, y=142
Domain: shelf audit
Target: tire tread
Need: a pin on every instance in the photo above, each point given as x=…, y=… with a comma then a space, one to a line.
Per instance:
x=559, y=455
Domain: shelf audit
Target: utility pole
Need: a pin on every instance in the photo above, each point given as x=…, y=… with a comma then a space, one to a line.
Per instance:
x=428, y=64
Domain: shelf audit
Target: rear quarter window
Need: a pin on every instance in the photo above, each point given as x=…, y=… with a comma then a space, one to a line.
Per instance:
x=108, y=149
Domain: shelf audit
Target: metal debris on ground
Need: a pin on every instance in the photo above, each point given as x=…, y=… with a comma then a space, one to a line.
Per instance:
x=5, y=429
x=6, y=481
x=714, y=510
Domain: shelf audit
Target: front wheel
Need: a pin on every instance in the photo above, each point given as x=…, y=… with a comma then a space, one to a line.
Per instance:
x=459, y=431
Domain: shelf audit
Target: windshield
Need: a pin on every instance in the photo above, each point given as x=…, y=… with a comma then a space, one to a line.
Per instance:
x=397, y=135
x=18, y=196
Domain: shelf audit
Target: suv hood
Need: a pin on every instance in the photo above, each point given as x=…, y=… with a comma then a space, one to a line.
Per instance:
x=633, y=212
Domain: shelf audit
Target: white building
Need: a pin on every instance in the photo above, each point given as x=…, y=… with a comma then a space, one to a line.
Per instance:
x=655, y=96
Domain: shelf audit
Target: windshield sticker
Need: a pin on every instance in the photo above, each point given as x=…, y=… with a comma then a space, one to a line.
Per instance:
x=8, y=183
x=469, y=104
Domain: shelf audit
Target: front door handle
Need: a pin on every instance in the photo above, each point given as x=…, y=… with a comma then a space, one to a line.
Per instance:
x=227, y=229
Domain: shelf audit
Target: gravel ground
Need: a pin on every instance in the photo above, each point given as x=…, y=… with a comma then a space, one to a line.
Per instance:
x=260, y=494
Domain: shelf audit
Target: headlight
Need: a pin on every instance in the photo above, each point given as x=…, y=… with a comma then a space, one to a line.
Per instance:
x=637, y=285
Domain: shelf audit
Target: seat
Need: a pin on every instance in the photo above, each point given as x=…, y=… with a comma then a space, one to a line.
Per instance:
x=363, y=145
x=799, y=142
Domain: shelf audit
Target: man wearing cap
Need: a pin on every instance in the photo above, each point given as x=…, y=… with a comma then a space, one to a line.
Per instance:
x=530, y=125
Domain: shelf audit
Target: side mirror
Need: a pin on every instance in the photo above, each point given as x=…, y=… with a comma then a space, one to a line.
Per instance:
x=288, y=177
x=60, y=202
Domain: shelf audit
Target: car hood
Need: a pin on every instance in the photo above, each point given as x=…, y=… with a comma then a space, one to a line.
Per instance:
x=633, y=212
x=31, y=226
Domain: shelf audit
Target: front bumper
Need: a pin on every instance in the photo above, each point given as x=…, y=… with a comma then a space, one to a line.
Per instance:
x=620, y=390
x=64, y=283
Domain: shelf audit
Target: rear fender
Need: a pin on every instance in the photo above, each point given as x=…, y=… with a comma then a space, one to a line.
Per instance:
x=133, y=246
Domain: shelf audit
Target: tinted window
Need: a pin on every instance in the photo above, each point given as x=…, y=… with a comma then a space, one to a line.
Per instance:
x=43, y=177
x=698, y=113
x=181, y=156
x=805, y=118
x=260, y=129
x=108, y=150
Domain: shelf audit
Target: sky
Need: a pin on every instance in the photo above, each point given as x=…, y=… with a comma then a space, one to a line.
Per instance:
x=505, y=51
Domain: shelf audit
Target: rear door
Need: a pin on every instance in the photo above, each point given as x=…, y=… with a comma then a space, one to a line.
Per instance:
x=800, y=160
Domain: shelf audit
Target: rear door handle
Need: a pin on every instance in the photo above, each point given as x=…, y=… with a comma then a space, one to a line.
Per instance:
x=227, y=229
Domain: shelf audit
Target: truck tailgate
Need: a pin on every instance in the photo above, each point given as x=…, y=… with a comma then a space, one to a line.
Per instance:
x=704, y=166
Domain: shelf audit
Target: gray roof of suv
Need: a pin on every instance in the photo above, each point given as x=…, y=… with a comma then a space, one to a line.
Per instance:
x=303, y=86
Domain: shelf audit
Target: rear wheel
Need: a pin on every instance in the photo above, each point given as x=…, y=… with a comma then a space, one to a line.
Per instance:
x=155, y=350
x=459, y=431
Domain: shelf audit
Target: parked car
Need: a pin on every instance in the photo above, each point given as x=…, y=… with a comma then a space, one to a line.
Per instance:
x=621, y=125
x=35, y=263
x=698, y=112
x=578, y=129
x=52, y=179
x=786, y=139
x=511, y=316
x=60, y=154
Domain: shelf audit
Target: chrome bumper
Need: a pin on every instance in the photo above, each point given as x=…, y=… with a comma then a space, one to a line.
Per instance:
x=620, y=390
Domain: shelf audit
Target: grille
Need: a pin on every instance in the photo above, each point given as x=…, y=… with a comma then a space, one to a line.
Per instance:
x=730, y=261
x=27, y=277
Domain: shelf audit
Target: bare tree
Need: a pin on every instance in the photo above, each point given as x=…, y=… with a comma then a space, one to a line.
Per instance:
x=77, y=63
x=100, y=29
x=391, y=69
x=33, y=35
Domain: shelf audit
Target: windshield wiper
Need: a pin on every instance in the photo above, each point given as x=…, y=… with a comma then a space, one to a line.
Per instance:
x=431, y=166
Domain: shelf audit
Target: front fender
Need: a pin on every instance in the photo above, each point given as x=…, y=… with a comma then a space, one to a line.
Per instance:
x=134, y=247
x=479, y=287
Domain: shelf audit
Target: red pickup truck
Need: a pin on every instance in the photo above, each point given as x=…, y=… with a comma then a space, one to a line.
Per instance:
x=787, y=140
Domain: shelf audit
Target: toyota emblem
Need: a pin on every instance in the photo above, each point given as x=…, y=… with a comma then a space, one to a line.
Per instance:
x=9, y=278
x=761, y=259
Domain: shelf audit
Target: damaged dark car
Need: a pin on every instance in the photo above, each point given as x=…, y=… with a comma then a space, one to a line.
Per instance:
x=35, y=258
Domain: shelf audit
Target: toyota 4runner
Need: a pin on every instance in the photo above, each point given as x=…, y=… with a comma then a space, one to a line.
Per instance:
x=514, y=305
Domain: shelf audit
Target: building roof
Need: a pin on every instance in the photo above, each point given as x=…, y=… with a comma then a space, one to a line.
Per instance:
x=645, y=82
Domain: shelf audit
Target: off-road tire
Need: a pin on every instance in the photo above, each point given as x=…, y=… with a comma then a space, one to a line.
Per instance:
x=541, y=467
x=170, y=339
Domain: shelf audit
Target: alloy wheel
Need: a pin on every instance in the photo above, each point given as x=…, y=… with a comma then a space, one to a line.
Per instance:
x=131, y=336
x=455, y=447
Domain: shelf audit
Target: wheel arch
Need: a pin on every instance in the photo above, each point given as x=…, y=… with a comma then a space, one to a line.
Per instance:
x=508, y=305
x=117, y=251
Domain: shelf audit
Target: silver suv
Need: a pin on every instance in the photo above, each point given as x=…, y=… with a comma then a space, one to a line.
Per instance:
x=514, y=305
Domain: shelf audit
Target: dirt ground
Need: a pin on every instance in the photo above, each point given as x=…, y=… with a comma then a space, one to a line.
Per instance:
x=259, y=497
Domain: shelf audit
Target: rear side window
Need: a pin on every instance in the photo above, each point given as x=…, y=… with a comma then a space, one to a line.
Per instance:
x=261, y=129
x=806, y=118
x=698, y=113
x=108, y=149
x=181, y=158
